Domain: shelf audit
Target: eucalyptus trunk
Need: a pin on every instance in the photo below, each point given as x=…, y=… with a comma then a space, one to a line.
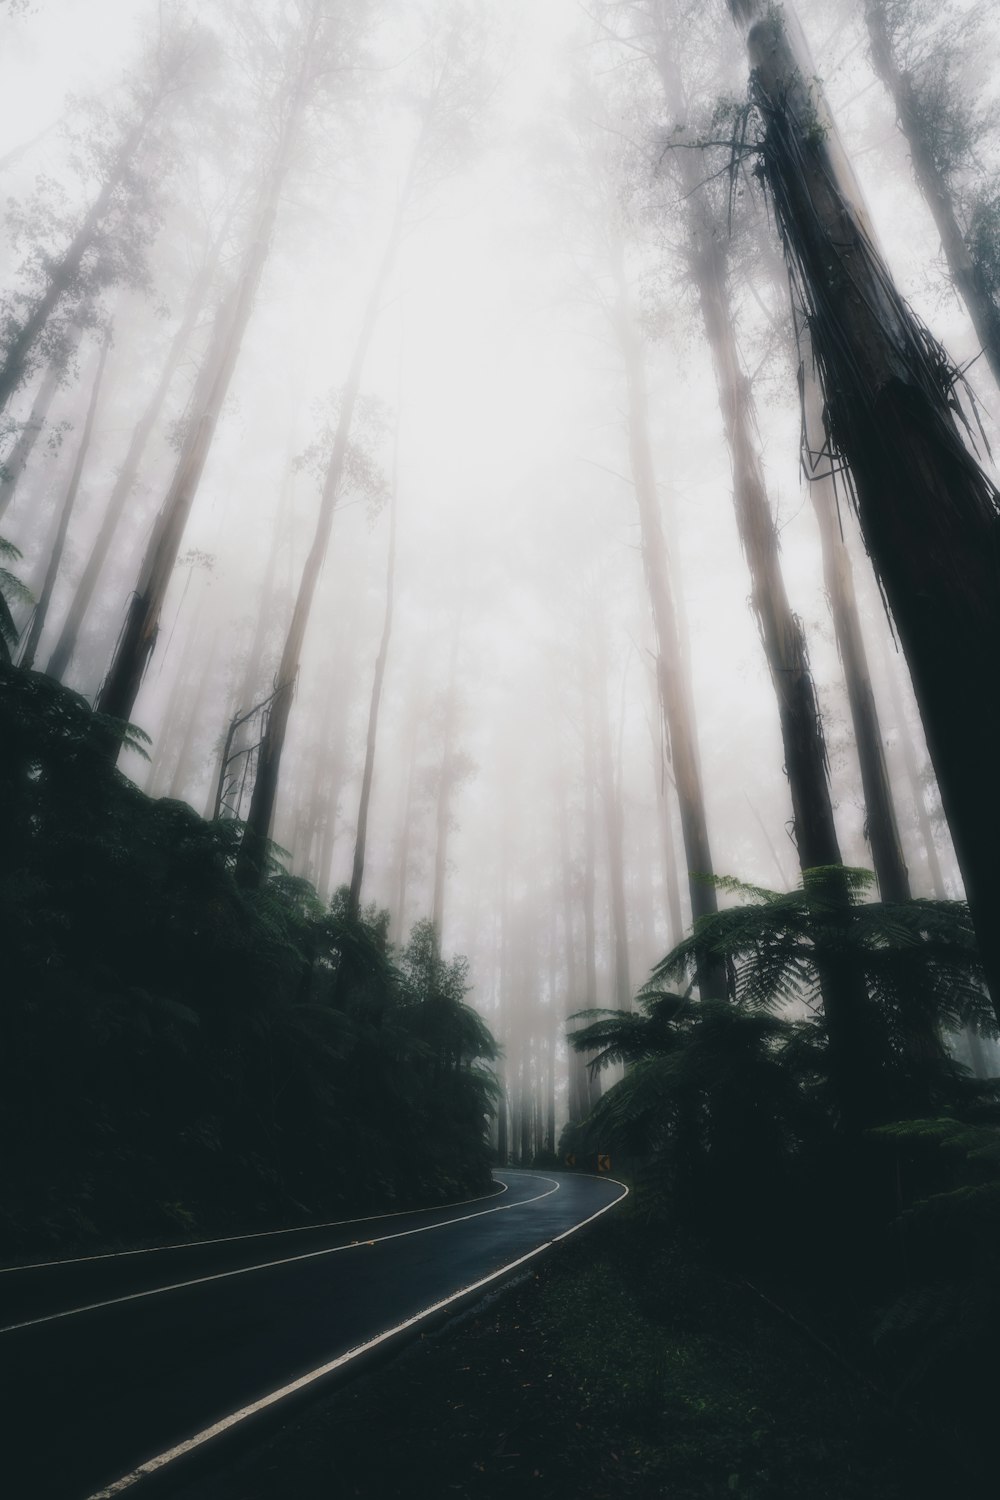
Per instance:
x=446, y=785
x=672, y=678
x=378, y=678
x=929, y=515
x=251, y=864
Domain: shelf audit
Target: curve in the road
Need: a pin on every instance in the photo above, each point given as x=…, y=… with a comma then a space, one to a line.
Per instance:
x=269, y=1265
x=240, y=1239
x=101, y=1384
x=153, y=1465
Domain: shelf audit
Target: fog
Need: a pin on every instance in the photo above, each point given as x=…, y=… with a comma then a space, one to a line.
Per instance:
x=523, y=791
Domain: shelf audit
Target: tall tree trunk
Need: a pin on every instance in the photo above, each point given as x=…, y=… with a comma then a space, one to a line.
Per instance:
x=122, y=489
x=15, y=464
x=880, y=809
x=967, y=271
x=446, y=782
x=589, y=883
x=611, y=800
x=674, y=690
x=929, y=515
x=405, y=833
x=41, y=609
x=367, y=774
x=579, y=1092
x=252, y=857
x=671, y=883
x=138, y=637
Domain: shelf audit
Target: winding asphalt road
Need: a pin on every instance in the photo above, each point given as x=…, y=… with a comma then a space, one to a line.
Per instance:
x=115, y=1366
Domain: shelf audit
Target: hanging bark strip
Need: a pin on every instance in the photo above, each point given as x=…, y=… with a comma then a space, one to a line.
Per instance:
x=966, y=270
x=929, y=515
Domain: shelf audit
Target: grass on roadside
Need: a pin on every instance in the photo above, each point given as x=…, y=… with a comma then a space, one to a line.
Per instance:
x=624, y=1366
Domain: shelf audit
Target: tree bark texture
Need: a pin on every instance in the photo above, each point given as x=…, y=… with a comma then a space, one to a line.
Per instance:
x=929, y=515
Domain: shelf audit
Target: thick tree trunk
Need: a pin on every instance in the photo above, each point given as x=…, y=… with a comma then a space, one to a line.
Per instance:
x=966, y=271
x=41, y=609
x=928, y=513
x=368, y=772
x=15, y=464
x=122, y=489
x=252, y=857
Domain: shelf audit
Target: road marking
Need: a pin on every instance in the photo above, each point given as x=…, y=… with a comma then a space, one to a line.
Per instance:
x=260, y=1234
x=153, y=1465
x=176, y=1286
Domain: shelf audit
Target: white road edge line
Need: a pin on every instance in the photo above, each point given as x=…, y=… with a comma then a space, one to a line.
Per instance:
x=153, y=1465
x=260, y=1234
x=287, y=1260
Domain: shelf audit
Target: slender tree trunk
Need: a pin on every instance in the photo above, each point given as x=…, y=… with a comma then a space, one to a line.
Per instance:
x=929, y=515
x=671, y=882
x=405, y=832
x=41, y=609
x=138, y=638
x=579, y=1093
x=966, y=270
x=252, y=857
x=122, y=489
x=881, y=823
x=15, y=464
x=446, y=781
x=361, y=836
x=589, y=892
x=611, y=799
x=674, y=690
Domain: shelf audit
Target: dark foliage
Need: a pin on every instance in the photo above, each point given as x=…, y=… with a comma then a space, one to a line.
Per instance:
x=181, y=1054
x=727, y=1112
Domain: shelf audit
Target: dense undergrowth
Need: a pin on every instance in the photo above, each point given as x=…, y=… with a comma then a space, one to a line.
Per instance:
x=179, y=1054
x=878, y=1237
x=627, y=1365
